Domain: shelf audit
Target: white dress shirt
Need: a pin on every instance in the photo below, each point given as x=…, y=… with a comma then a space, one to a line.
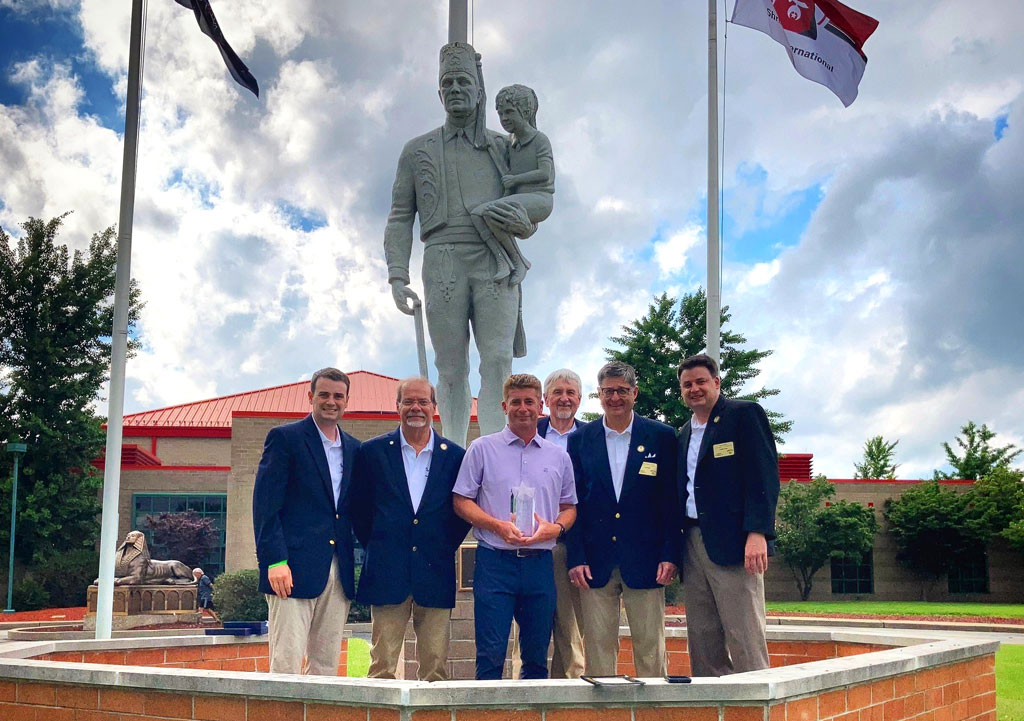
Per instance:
x=417, y=467
x=696, y=436
x=618, y=451
x=559, y=439
x=335, y=460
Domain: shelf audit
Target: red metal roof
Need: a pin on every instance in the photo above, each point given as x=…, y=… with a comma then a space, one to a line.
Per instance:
x=370, y=394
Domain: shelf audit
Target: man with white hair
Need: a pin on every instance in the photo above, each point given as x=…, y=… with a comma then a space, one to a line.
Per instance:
x=563, y=392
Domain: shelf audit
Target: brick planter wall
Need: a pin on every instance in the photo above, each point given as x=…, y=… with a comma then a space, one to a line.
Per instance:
x=930, y=680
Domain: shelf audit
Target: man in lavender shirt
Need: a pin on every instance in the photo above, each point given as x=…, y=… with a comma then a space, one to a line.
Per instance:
x=513, y=575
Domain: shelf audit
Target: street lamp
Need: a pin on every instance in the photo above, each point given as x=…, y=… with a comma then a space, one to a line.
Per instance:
x=18, y=449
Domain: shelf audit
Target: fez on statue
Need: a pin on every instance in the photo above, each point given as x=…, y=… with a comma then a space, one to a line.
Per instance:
x=475, y=191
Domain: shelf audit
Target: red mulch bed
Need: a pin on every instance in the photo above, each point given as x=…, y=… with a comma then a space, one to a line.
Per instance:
x=887, y=617
x=76, y=613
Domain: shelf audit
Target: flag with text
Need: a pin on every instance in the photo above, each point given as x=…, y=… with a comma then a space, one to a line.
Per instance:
x=824, y=38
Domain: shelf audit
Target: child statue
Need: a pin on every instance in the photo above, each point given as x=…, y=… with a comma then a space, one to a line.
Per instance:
x=530, y=180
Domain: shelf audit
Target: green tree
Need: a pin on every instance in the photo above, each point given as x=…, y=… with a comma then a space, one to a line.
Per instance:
x=995, y=505
x=979, y=457
x=656, y=344
x=931, y=527
x=56, y=315
x=878, y=461
x=812, y=532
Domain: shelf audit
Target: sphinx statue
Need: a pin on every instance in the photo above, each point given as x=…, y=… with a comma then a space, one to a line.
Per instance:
x=133, y=565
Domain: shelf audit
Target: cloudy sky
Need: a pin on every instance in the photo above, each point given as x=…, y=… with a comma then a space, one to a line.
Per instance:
x=876, y=249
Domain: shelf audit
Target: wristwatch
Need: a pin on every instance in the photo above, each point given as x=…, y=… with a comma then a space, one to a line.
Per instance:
x=561, y=534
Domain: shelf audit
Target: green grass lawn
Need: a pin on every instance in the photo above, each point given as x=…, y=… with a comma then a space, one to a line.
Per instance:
x=358, y=657
x=1010, y=683
x=907, y=608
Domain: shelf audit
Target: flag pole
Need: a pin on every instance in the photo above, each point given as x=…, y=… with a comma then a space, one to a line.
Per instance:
x=714, y=289
x=458, y=21
x=119, y=337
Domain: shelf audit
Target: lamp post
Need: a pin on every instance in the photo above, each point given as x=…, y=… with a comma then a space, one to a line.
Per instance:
x=18, y=449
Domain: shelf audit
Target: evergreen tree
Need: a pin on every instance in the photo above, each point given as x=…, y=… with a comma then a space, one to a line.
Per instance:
x=979, y=457
x=812, y=532
x=56, y=315
x=659, y=341
x=878, y=459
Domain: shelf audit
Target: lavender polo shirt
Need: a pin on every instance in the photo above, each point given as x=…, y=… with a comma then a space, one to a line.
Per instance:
x=497, y=463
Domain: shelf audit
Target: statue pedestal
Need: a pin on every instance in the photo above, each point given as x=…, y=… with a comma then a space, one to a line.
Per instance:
x=147, y=605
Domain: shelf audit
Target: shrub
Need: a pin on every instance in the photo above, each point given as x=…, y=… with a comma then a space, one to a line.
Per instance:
x=358, y=612
x=674, y=592
x=237, y=597
x=66, y=576
x=29, y=595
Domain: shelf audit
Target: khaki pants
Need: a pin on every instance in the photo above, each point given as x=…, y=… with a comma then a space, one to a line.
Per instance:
x=725, y=618
x=310, y=628
x=567, y=657
x=432, y=635
x=645, y=613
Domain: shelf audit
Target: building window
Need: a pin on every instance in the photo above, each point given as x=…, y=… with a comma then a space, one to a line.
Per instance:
x=209, y=505
x=853, y=575
x=969, y=573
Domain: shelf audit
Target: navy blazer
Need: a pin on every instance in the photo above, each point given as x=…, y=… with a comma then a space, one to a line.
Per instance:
x=641, y=529
x=407, y=553
x=737, y=491
x=294, y=515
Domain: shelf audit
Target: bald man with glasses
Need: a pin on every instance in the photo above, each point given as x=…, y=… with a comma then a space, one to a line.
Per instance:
x=624, y=543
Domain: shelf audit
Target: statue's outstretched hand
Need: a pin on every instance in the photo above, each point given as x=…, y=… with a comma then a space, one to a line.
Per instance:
x=405, y=297
x=510, y=217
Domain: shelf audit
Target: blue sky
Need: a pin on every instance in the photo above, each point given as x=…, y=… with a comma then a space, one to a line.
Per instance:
x=875, y=249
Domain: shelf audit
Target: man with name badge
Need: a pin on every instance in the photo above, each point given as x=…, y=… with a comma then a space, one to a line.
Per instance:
x=303, y=533
x=625, y=543
x=402, y=514
x=728, y=490
x=513, y=576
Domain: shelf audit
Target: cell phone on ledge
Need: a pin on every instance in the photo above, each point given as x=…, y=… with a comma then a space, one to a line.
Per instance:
x=678, y=679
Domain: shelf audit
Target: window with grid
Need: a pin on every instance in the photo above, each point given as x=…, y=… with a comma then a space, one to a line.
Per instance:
x=208, y=505
x=969, y=572
x=853, y=575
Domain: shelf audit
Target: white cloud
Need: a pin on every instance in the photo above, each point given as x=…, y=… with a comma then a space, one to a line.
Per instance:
x=672, y=253
x=896, y=296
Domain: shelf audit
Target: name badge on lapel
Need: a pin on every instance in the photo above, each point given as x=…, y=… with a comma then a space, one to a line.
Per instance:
x=648, y=469
x=721, y=450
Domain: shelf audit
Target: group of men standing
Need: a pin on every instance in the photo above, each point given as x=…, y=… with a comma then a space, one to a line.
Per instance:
x=620, y=506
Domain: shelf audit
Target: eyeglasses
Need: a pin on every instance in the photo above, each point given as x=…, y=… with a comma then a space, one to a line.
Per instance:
x=410, y=402
x=620, y=391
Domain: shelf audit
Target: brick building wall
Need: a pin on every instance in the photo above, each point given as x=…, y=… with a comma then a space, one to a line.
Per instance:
x=892, y=581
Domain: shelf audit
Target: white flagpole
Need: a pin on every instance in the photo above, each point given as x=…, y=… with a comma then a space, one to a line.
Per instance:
x=714, y=289
x=458, y=21
x=119, y=340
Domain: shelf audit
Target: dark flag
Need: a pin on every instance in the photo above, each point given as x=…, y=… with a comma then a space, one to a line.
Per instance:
x=210, y=27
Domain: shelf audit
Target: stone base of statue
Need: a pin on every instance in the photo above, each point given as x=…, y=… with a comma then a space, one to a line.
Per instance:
x=147, y=605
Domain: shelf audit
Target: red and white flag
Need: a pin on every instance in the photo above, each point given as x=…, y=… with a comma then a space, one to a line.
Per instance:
x=824, y=38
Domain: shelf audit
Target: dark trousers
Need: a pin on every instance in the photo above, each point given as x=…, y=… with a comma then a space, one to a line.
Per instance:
x=507, y=586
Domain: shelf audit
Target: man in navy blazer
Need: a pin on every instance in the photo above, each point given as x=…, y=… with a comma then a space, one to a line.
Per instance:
x=728, y=490
x=402, y=513
x=625, y=542
x=303, y=533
